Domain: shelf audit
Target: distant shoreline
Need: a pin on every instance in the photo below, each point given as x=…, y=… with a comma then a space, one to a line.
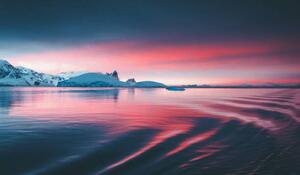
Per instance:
x=212, y=87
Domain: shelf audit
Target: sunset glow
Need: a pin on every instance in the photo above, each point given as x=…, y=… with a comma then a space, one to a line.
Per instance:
x=144, y=87
x=173, y=43
x=174, y=63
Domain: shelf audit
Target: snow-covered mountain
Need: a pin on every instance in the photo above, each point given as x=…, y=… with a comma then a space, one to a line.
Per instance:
x=149, y=84
x=21, y=76
x=131, y=81
x=68, y=75
x=34, y=78
x=114, y=74
x=9, y=75
x=93, y=80
x=105, y=80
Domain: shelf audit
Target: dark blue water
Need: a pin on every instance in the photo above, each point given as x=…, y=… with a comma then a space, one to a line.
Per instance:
x=74, y=131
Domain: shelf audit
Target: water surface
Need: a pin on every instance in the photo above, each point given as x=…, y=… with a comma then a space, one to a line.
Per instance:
x=66, y=131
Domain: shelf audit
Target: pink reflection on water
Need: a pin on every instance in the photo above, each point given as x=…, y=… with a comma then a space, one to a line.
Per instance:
x=193, y=140
x=206, y=151
x=169, y=114
x=152, y=108
x=160, y=138
x=121, y=114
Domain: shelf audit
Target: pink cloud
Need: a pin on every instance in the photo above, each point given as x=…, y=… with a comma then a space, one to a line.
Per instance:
x=135, y=57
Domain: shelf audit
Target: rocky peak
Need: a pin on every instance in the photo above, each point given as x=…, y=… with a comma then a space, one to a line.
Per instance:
x=6, y=69
x=114, y=74
x=131, y=81
x=3, y=62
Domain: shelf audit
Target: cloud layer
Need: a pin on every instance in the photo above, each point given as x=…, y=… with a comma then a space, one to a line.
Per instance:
x=172, y=41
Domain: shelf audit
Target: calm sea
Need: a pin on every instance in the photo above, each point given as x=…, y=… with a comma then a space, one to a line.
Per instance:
x=81, y=131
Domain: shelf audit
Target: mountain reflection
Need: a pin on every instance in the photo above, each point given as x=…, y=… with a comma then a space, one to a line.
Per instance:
x=94, y=93
x=9, y=98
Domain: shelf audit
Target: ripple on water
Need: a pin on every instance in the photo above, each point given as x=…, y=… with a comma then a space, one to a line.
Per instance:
x=153, y=131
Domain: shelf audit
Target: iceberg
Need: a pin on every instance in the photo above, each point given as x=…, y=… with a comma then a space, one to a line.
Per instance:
x=173, y=88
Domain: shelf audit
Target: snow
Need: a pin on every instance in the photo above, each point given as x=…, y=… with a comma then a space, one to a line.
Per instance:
x=149, y=84
x=101, y=80
x=3, y=62
x=68, y=75
x=22, y=76
x=13, y=82
x=93, y=79
x=5, y=66
x=131, y=82
x=33, y=78
x=173, y=88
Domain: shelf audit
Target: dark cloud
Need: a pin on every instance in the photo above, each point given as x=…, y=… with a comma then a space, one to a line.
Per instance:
x=77, y=21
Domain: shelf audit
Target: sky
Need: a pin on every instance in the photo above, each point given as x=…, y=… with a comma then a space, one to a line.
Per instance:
x=171, y=41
